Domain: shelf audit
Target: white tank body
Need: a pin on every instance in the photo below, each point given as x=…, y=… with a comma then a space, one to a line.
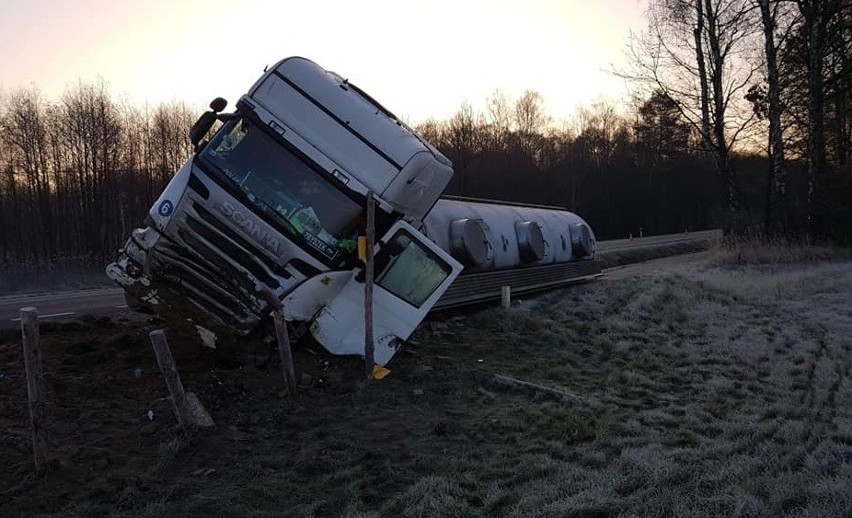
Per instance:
x=514, y=236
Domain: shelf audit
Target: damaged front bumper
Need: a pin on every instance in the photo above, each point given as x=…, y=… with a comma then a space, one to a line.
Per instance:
x=177, y=283
x=128, y=271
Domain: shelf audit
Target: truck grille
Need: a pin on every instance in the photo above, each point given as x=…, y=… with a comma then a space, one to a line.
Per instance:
x=203, y=287
x=219, y=271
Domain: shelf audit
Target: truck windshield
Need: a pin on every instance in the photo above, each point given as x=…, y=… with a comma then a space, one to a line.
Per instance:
x=282, y=185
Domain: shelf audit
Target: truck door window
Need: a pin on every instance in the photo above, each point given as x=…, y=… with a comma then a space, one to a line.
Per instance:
x=409, y=270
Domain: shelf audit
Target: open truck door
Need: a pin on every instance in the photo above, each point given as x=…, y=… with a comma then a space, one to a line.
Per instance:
x=411, y=274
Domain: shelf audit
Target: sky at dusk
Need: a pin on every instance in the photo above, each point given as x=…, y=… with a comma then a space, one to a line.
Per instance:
x=420, y=59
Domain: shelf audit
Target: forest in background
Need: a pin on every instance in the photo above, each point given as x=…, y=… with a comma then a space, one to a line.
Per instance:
x=741, y=119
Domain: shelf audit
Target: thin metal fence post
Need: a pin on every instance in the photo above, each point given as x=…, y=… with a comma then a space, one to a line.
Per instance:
x=369, y=344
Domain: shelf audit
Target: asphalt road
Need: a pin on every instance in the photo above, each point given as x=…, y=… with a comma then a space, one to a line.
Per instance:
x=63, y=305
x=110, y=301
x=616, y=245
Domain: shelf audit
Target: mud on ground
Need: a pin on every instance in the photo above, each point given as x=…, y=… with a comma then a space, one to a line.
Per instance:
x=699, y=391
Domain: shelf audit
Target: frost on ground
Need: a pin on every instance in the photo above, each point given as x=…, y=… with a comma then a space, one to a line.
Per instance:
x=716, y=389
x=702, y=391
x=720, y=392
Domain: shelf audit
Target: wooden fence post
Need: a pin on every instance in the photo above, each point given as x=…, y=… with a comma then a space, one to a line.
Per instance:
x=369, y=274
x=506, y=297
x=188, y=409
x=285, y=352
x=35, y=385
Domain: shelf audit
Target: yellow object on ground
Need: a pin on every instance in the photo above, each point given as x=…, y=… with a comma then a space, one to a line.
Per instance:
x=380, y=372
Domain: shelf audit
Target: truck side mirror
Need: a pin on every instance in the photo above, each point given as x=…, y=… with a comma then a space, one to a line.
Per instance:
x=201, y=127
x=205, y=121
x=218, y=104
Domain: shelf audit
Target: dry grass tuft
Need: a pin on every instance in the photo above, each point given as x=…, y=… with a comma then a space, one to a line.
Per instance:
x=732, y=252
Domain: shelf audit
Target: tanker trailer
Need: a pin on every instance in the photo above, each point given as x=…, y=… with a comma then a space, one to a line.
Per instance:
x=273, y=203
x=526, y=247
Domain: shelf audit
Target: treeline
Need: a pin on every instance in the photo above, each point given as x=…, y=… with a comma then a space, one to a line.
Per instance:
x=77, y=174
x=770, y=76
x=741, y=119
x=626, y=174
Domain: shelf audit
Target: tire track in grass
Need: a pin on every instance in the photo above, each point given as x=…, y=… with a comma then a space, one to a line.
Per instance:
x=818, y=412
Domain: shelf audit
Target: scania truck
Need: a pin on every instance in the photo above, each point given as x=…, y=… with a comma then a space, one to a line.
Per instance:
x=274, y=201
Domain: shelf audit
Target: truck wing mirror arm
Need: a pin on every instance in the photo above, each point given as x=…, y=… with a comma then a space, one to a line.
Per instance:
x=201, y=127
x=205, y=122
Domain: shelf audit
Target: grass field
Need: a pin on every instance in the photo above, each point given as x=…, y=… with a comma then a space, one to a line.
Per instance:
x=709, y=392
x=716, y=389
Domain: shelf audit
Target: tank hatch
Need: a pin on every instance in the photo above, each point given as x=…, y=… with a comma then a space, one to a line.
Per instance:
x=582, y=244
x=530, y=241
x=469, y=242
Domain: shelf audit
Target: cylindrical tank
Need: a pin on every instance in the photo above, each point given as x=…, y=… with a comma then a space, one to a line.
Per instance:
x=486, y=235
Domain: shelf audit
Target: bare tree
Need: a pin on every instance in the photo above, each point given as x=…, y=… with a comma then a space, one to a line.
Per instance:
x=433, y=131
x=89, y=125
x=600, y=129
x=25, y=128
x=694, y=52
x=464, y=136
x=701, y=66
x=76, y=175
x=500, y=118
x=170, y=138
x=531, y=120
x=775, y=205
x=816, y=15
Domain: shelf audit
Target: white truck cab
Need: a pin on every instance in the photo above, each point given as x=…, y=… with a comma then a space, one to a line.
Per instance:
x=275, y=200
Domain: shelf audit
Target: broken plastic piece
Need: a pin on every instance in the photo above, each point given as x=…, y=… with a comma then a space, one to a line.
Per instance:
x=208, y=337
x=379, y=372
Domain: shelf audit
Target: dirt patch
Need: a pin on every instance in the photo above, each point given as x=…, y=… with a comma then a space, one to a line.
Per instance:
x=699, y=392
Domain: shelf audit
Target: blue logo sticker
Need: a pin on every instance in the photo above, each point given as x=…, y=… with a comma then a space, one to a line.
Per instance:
x=166, y=208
